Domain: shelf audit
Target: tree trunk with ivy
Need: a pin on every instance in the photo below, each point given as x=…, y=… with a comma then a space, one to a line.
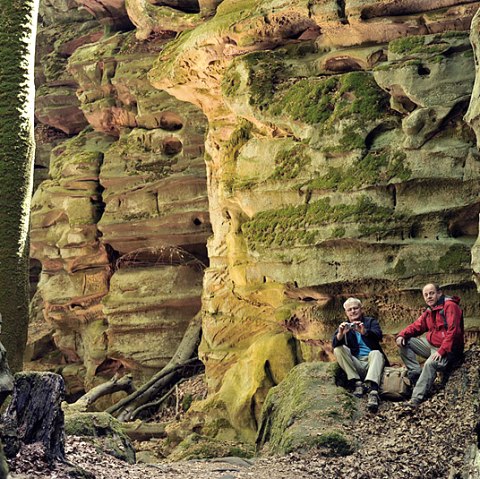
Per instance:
x=17, y=33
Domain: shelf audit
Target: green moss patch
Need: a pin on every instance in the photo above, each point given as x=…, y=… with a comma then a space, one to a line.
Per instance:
x=324, y=101
x=289, y=163
x=301, y=224
x=197, y=446
x=238, y=138
x=306, y=410
x=104, y=431
x=263, y=70
x=457, y=257
x=377, y=167
x=426, y=44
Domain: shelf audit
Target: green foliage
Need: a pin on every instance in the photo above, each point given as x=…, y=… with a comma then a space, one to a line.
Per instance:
x=374, y=168
x=289, y=163
x=299, y=224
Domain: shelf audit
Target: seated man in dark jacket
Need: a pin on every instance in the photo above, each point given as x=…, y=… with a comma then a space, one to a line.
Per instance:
x=442, y=321
x=356, y=345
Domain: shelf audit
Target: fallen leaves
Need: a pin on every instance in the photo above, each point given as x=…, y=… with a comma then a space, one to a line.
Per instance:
x=430, y=442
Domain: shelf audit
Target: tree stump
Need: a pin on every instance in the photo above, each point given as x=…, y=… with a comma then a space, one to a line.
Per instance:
x=35, y=415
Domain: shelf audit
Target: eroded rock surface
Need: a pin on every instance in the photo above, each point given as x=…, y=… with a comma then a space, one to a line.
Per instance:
x=341, y=166
x=338, y=163
x=132, y=183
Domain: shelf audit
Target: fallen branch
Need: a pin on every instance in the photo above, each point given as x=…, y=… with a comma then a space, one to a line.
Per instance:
x=141, y=431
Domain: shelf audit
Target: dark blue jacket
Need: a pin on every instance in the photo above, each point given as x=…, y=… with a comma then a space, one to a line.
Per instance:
x=371, y=338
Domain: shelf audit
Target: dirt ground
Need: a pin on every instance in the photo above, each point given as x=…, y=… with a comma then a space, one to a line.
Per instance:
x=433, y=441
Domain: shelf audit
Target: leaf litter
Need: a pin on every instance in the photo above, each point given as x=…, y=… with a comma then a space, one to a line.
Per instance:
x=434, y=441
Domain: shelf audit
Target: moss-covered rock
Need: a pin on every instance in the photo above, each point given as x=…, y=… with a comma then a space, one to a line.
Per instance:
x=307, y=410
x=427, y=76
x=236, y=406
x=308, y=224
x=197, y=446
x=104, y=431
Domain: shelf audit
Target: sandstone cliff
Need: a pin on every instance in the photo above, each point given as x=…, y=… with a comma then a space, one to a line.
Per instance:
x=340, y=159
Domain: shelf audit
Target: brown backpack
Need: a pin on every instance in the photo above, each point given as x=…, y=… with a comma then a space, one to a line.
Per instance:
x=395, y=385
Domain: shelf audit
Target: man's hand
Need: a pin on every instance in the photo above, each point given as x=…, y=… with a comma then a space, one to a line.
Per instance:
x=400, y=341
x=341, y=330
x=436, y=357
x=360, y=327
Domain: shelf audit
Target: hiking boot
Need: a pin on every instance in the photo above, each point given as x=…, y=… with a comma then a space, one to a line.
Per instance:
x=413, y=403
x=358, y=391
x=407, y=408
x=373, y=401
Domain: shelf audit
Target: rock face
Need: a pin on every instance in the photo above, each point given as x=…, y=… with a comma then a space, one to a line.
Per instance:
x=120, y=226
x=296, y=415
x=339, y=162
x=342, y=166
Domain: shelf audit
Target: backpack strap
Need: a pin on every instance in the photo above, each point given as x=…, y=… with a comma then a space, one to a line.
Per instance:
x=444, y=319
x=442, y=315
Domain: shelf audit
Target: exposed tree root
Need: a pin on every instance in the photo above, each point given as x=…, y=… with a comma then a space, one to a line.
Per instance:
x=127, y=408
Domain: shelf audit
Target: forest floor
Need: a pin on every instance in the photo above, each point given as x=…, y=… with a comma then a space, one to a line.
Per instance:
x=433, y=441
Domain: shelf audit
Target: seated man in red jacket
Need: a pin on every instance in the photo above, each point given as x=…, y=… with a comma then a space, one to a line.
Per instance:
x=442, y=320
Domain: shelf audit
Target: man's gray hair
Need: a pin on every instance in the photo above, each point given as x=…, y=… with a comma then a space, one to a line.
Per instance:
x=351, y=301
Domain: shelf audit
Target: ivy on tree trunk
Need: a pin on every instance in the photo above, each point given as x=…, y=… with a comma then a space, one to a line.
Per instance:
x=17, y=33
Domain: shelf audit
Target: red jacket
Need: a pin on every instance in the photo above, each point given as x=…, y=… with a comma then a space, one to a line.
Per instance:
x=447, y=339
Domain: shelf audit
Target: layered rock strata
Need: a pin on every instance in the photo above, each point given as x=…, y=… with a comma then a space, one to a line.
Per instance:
x=120, y=226
x=338, y=163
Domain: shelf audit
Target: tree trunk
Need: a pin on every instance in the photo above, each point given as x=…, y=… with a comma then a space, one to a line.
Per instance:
x=35, y=415
x=124, y=410
x=17, y=33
